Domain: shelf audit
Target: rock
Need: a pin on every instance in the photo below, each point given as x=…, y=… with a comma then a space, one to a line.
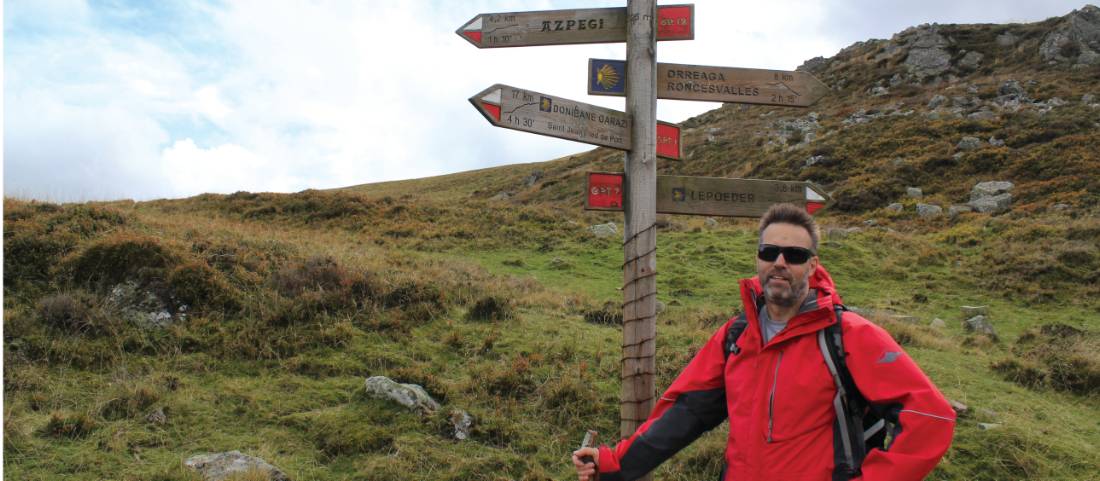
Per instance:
x=712, y=134
x=896, y=207
x=996, y=142
x=710, y=222
x=880, y=91
x=983, y=114
x=872, y=222
x=1087, y=98
x=533, y=178
x=501, y=196
x=139, y=306
x=604, y=231
x=1059, y=207
x=217, y=467
x=814, y=160
x=1007, y=39
x=969, y=143
x=966, y=102
x=960, y=408
x=813, y=65
x=462, y=422
x=979, y=325
x=927, y=55
x=659, y=307
x=157, y=417
x=957, y=209
x=896, y=80
x=914, y=192
x=905, y=318
x=929, y=210
x=1076, y=39
x=1012, y=88
x=411, y=396
x=992, y=205
x=971, y=61
x=938, y=323
x=559, y=264
x=862, y=116
x=988, y=426
x=971, y=311
x=993, y=188
x=841, y=232
x=800, y=131
x=937, y=101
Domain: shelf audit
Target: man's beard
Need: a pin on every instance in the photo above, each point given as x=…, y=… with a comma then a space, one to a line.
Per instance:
x=784, y=296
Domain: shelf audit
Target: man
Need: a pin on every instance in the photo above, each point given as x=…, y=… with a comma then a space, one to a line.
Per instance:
x=775, y=388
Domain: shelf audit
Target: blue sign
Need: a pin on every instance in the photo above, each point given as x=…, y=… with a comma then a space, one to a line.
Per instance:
x=606, y=76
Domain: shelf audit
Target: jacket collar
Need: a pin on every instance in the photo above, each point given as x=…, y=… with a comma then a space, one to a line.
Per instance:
x=816, y=313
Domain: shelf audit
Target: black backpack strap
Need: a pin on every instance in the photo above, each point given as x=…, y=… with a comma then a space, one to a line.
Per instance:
x=849, y=404
x=737, y=327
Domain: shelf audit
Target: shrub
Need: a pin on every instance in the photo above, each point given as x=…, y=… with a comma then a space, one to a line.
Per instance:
x=199, y=287
x=491, y=308
x=66, y=311
x=609, y=315
x=121, y=257
x=316, y=273
x=129, y=402
x=69, y=425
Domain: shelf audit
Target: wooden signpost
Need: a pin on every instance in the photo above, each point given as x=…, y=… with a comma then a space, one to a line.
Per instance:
x=639, y=192
x=543, y=114
x=711, y=196
x=564, y=27
x=713, y=84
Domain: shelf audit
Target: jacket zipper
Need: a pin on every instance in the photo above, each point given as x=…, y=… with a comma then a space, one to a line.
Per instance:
x=771, y=397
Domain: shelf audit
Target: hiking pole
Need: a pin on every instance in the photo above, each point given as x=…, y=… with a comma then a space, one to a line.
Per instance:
x=588, y=442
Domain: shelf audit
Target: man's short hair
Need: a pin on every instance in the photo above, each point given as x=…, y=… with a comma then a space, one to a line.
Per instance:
x=790, y=214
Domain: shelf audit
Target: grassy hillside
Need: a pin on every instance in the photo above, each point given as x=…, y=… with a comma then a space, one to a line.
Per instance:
x=250, y=321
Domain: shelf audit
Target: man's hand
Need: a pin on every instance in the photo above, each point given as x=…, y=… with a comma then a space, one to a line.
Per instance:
x=586, y=471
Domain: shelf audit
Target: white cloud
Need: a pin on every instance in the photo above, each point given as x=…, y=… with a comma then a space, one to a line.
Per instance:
x=284, y=96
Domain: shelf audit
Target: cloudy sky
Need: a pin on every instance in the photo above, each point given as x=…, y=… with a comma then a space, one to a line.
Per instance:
x=136, y=99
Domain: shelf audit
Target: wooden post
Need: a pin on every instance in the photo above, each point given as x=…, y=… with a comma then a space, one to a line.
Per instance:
x=640, y=235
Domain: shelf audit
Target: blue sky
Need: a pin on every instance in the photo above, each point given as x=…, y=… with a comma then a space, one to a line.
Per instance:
x=141, y=100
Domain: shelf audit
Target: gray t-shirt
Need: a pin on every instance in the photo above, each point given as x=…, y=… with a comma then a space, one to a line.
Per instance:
x=769, y=328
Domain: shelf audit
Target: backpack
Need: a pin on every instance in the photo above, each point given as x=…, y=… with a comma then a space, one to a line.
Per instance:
x=860, y=425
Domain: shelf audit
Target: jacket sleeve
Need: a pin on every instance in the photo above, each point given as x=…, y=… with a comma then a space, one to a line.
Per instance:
x=886, y=375
x=693, y=405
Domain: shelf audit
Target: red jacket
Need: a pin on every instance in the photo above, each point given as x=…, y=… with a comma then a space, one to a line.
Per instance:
x=778, y=399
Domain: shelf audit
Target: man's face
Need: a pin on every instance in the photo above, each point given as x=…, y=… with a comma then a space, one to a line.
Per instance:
x=785, y=284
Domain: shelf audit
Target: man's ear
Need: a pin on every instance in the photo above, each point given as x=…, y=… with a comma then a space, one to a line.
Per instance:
x=814, y=263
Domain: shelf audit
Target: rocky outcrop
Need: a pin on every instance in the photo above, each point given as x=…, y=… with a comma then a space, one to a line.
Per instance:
x=1076, y=40
x=217, y=467
x=928, y=55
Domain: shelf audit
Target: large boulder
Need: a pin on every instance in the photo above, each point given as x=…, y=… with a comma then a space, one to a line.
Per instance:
x=971, y=61
x=992, y=205
x=411, y=396
x=993, y=188
x=1076, y=39
x=217, y=467
x=928, y=55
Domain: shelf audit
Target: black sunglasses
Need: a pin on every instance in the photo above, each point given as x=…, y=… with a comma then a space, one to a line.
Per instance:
x=792, y=254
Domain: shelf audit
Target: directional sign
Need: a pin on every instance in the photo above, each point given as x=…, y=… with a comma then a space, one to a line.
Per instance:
x=713, y=84
x=712, y=196
x=527, y=111
x=561, y=27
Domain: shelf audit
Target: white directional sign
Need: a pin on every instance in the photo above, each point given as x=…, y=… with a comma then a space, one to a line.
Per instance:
x=714, y=196
x=561, y=27
x=713, y=84
x=538, y=113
